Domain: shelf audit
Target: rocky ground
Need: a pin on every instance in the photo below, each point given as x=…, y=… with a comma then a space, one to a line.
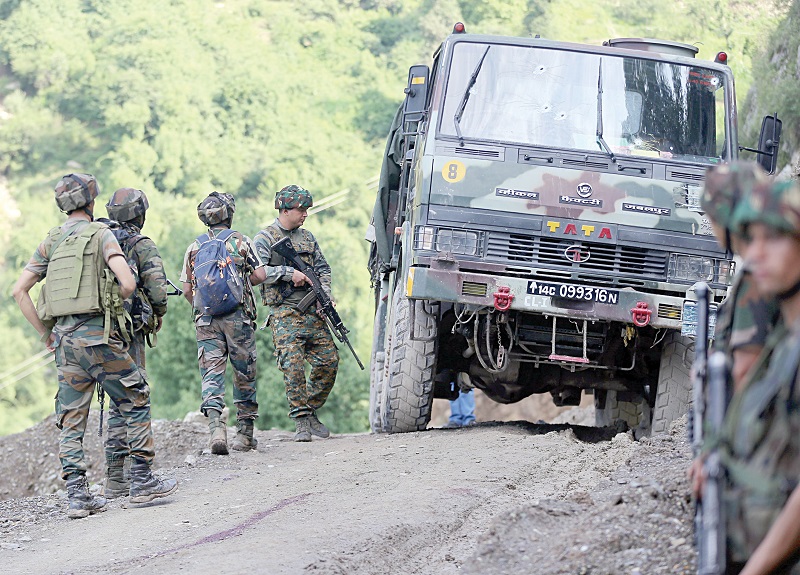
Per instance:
x=497, y=498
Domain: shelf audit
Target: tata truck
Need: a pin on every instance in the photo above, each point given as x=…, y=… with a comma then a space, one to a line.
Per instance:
x=538, y=227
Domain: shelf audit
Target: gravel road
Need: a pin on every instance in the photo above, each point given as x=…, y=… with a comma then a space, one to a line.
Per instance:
x=491, y=499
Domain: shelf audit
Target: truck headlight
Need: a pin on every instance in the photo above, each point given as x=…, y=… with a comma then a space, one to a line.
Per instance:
x=698, y=268
x=457, y=242
x=447, y=240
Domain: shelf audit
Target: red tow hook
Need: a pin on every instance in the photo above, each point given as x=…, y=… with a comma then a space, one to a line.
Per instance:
x=640, y=314
x=503, y=298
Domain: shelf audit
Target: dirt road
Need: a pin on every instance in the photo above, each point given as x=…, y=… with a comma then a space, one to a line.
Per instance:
x=495, y=498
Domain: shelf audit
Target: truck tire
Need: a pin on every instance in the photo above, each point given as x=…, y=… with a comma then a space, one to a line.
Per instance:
x=674, y=391
x=407, y=386
x=636, y=414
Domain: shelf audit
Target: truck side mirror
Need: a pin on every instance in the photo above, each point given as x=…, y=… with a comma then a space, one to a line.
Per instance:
x=416, y=93
x=768, y=142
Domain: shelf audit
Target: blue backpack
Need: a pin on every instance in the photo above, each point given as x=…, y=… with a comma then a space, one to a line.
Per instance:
x=218, y=286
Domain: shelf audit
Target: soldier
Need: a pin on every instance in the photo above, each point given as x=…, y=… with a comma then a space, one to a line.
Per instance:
x=299, y=334
x=78, y=260
x=127, y=208
x=746, y=317
x=760, y=439
x=230, y=335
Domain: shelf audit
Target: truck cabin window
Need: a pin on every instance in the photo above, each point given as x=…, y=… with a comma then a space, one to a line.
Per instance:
x=574, y=100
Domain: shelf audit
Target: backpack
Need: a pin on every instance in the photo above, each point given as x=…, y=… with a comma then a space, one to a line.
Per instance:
x=138, y=306
x=218, y=286
x=79, y=281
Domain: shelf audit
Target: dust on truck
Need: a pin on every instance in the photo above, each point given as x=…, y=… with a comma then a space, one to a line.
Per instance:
x=538, y=227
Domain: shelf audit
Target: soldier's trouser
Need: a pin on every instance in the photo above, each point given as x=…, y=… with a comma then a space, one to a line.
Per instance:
x=110, y=365
x=116, y=445
x=301, y=337
x=233, y=336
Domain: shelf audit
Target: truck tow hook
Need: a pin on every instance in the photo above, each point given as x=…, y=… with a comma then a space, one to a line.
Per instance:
x=503, y=298
x=640, y=314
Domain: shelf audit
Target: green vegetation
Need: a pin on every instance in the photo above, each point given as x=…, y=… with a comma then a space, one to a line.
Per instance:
x=181, y=97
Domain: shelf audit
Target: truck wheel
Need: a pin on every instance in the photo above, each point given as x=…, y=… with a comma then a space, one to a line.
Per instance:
x=407, y=387
x=636, y=414
x=674, y=390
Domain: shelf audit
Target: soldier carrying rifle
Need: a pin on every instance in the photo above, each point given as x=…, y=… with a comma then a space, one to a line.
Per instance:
x=298, y=331
x=758, y=445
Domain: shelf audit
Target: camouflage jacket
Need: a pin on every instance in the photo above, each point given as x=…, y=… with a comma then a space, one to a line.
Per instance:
x=760, y=443
x=244, y=256
x=277, y=288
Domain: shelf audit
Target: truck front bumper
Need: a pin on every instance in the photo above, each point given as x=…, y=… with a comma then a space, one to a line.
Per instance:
x=592, y=303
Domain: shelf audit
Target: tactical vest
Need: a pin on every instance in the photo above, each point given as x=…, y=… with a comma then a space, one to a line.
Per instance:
x=758, y=447
x=78, y=280
x=283, y=291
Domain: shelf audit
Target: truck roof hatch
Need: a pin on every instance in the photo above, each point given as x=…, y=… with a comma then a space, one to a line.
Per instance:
x=652, y=45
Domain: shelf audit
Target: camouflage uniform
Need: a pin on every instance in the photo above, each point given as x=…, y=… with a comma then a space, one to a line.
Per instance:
x=298, y=336
x=143, y=256
x=83, y=360
x=760, y=440
x=230, y=335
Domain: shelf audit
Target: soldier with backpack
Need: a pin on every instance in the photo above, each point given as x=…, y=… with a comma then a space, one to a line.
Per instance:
x=219, y=269
x=298, y=331
x=126, y=210
x=87, y=279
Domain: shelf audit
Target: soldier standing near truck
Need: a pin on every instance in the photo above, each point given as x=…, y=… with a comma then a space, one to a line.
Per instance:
x=759, y=444
x=298, y=330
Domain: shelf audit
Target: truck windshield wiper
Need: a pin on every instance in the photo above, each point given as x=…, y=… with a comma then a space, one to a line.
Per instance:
x=600, y=140
x=465, y=97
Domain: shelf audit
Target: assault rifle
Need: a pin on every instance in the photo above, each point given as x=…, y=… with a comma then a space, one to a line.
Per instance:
x=711, y=533
x=285, y=248
x=177, y=290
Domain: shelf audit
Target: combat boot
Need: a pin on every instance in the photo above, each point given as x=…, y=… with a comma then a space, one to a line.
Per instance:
x=219, y=433
x=244, y=440
x=81, y=502
x=117, y=484
x=145, y=486
x=316, y=427
x=302, y=429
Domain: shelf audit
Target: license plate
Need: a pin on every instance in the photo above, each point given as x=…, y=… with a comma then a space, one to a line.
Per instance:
x=689, y=320
x=569, y=291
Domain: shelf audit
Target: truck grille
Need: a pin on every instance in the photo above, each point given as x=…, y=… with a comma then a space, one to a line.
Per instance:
x=643, y=263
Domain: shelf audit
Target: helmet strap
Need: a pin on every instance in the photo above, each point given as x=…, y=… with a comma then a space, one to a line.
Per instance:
x=80, y=181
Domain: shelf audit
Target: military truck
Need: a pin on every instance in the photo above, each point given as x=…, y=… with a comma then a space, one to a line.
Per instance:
x=538, y=227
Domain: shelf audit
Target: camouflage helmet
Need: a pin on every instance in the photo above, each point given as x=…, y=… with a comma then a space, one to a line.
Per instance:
x=293, y=197
x=776, y=205
x=75, y=191
x=127, y=204
x=725, y=185
x=216, y=208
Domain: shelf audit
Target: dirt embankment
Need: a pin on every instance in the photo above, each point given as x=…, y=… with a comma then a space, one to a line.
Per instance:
x=492, y=499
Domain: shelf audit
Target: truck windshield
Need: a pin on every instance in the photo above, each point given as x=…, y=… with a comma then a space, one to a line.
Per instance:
x=552, y=98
